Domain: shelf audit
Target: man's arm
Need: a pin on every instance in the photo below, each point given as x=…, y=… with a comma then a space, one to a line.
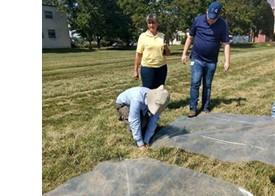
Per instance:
x=226, y=56
x=187, y=45
x=137, y=65
x=135, y=122
x=151, y=127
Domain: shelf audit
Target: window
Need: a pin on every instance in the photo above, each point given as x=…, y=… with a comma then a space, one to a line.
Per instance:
x=48, y=14
x=51, y=33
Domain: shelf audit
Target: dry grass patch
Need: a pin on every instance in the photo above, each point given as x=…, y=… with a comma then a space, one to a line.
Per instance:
x=80, y=127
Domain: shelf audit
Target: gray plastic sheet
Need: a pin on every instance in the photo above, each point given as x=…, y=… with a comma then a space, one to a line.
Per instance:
x=145, y=177
x=226, y=137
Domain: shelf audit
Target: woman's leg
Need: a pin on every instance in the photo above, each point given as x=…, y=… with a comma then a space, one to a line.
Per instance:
x=160, y=76
x=147, y=77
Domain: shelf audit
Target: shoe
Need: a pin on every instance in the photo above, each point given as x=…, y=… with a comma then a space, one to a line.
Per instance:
x=192, y=114
x=129, y=129
x=143, y=147
x=206, y=111
x=147, y=146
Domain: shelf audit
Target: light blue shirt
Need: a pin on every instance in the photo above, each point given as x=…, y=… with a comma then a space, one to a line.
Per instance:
x=135, y=98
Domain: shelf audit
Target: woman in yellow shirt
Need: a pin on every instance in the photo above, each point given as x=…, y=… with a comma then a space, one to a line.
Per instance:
x=150, y=55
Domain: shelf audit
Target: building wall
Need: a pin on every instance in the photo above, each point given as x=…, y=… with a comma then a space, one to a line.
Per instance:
x=179, y=35
x=272, y=4
x=261, y=38
x=55, y=32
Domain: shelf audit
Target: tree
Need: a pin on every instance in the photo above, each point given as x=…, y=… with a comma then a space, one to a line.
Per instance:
x=239, y=15
x=263, y=18
x=94, y=19
x=165, y=10
x=118, y=25
x=189, y=9
x=125, y=19
x=136, y=11
x=167, y=14
x=246, y=16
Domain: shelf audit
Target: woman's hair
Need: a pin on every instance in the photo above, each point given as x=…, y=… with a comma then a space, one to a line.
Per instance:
x=151, y=17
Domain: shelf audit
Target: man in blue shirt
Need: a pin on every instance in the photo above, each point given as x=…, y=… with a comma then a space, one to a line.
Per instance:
x=140, y=107
x=207, y=32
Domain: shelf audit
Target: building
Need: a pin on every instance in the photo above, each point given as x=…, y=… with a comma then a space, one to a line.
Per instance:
x=55, y=31
x=261, y=38
x=272, y=4
x=179, y=38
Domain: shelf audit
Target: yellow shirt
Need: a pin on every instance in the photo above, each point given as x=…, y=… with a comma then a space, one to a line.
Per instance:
x=151, y=47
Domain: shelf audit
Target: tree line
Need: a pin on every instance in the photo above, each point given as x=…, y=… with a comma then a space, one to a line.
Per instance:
x=110, y=20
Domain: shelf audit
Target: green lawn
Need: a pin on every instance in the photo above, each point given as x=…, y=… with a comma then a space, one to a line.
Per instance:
x=80, y=126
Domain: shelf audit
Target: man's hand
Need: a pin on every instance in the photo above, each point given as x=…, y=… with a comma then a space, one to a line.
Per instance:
x=226, y=66
x=184, y=58
x=226, y=56
x=166, y=50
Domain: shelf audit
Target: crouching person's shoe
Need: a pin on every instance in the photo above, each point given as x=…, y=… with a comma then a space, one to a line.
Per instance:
x=129, y=128
x=192, y=114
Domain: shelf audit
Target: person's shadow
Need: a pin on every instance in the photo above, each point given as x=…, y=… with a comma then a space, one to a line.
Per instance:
x=178, y=103
x=239, y=101
x=171, y=131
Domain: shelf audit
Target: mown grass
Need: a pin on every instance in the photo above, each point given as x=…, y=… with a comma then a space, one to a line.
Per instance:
x=80, y=126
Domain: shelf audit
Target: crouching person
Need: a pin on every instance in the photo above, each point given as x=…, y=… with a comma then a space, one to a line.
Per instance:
x=140, y=108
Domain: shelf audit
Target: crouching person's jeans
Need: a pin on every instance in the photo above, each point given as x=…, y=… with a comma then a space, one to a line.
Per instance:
x=123, y=114
x=201, y=71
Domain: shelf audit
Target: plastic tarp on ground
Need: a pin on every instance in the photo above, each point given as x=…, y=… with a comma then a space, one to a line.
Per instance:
x=227, y=137
x=145, y=177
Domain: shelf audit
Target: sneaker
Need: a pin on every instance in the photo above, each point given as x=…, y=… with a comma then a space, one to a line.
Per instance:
x=142, y=147
x=206, y=111
x=192, y=114
x=129, y=129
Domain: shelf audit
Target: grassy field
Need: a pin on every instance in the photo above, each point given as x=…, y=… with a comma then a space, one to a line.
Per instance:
x=80, y=126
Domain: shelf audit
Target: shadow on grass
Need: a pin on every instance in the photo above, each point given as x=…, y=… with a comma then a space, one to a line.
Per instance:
x=272, y=179
x=178, y=103
x=243, y=45
x=176, y=53
x=214, y=102
x=67, y=50
x=218, y=101
x=168, y=131
x=171, y=131
x=121, y=48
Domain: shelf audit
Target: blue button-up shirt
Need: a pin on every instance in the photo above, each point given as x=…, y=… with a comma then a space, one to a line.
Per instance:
x=135, y=98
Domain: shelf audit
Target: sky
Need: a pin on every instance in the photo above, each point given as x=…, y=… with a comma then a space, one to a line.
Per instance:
x=272, y=3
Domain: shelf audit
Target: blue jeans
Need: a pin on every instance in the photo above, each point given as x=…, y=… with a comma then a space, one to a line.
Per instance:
x=201, y=71
x=153, y=77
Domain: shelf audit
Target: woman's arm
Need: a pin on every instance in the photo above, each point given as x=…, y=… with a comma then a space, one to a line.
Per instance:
x=166, y=50
x=137, y=65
